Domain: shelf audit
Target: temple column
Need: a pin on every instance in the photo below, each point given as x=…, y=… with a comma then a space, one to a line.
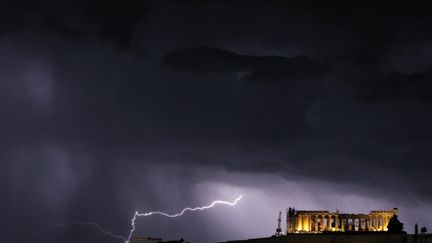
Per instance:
x=328, y=222
x=353, y=224
x=385, y=222
x=316, y=223
x=342, y=224
x=333, y=221
x=374, y=223
x=310, y=222
x=378, y=222
x=367, y=224
x=359, y=228
x=306, y=223
x=300, y=224
x=381, y=223
x=322, y=222
x=337, y=222
x=355, y=221
x=349, y=224
x=359, y=224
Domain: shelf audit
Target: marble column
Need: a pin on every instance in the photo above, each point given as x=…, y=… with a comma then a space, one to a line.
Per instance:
x=385, y=223
x=300, y=222
x=316, y=223
x=337, y=222
x=375, y=223
x=310, y=222
x=322, y=222
x=359, y=224
x=342, y=224
x=359, y=228
x=349, y=223
x=367, y=224
x=306, y=223
x=382, y=223
x=354, y=224
x=378, y=222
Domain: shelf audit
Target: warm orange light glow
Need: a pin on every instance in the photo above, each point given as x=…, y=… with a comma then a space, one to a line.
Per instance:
x=320, y=221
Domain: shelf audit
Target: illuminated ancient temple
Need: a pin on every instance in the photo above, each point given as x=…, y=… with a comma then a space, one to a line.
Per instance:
x=301, y=221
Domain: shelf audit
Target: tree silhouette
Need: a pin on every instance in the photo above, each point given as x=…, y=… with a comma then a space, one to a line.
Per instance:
x=423, y=230
x=394, y=225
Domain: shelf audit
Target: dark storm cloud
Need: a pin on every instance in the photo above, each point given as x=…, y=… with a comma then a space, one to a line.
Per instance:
x=258, y=68
x=332, y=99
x=415, y=87
x=113, y=20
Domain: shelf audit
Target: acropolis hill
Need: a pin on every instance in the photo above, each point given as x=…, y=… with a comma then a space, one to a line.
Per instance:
x=305, y=226
x=343, y=238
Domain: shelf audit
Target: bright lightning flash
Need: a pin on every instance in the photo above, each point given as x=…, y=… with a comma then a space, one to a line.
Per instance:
x=137, y=214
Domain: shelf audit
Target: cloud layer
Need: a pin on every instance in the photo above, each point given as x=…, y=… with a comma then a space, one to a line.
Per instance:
x=109, y=107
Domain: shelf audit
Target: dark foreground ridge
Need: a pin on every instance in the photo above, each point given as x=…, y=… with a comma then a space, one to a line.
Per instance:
x=343, y=238
x=155, y=240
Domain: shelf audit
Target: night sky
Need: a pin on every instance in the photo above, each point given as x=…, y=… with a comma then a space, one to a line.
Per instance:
x=112, y=106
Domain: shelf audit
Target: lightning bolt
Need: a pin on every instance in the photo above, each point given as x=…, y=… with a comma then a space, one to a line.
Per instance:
x=137, y=214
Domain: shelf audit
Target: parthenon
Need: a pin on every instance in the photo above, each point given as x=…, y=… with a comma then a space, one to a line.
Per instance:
x=301, y=221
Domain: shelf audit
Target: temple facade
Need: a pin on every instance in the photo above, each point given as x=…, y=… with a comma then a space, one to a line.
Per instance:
x=301, y=221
